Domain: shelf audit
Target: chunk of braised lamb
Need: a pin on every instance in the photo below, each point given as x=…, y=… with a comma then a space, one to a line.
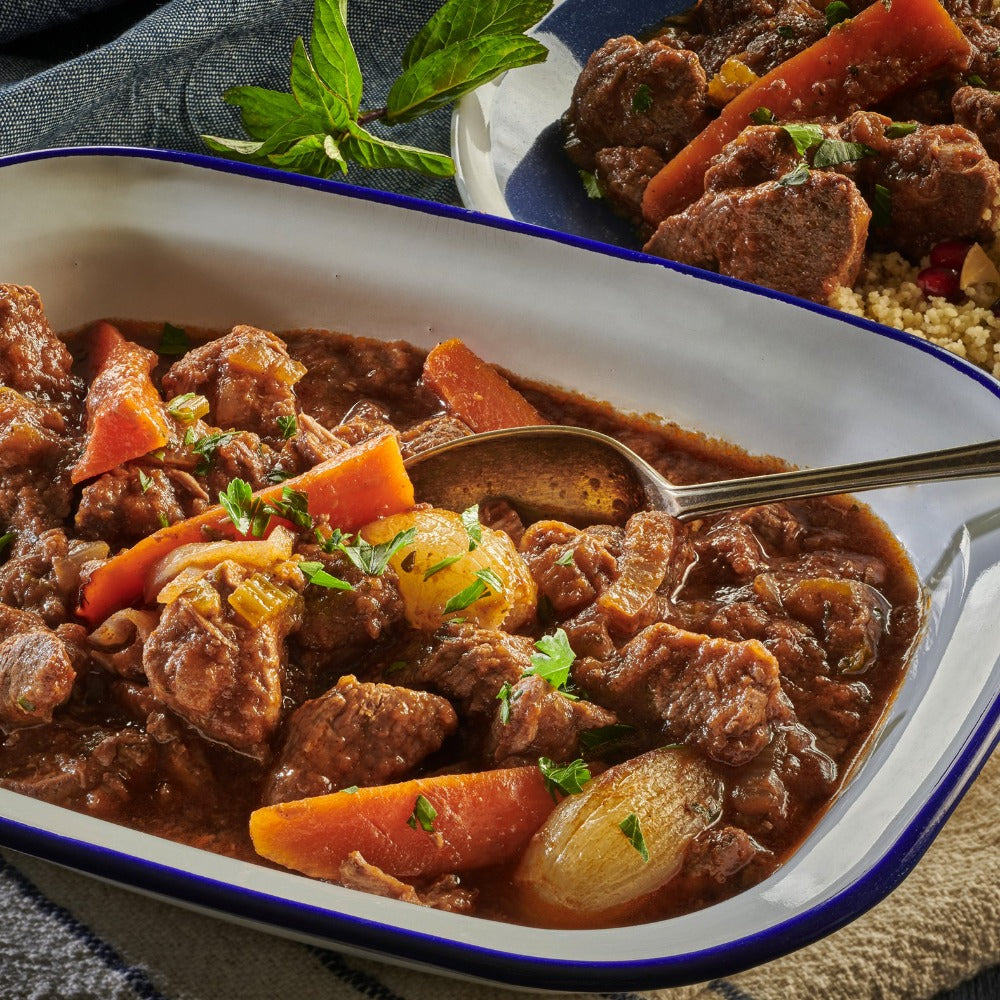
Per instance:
x=731, y=547
x=247, y=378
x=364, y=420
x=357, y=734
x=240, y=455
x=216, y=671
x=720, y=696
x=718, y=854
x=92, y=769
x=843, y=564
x=430, y=433
x=632, y=93
x=978, y=110
x=36, y=669
x=804, y=239
x=46, y=578
x=131, y=502
x=758, y=154
x=623, y=173
x=444, y=893
x=761, y=35
x=588, y=633
x=571, y=566
x=33, y=360
x=542, y=722
x=940, y=181
x=183, y=762
x=338, y=625
x=498, y=514
x=470, y=665
x=311, y=444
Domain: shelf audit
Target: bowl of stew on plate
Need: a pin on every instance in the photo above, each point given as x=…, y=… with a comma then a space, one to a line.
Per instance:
x=841, y=153
x=246, y=669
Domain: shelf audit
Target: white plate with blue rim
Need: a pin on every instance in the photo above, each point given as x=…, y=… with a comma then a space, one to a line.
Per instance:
x=507, y=136
x=209, y=243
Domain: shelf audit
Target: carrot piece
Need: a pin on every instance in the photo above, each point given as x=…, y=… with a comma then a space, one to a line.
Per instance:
x=125, y=415
x=360, y=484
x=887, y=47
x=474, y=391
x=482, y=818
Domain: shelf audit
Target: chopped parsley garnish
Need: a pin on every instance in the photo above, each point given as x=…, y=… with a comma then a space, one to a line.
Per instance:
x=566, y=559
x=804, y=136
x=605, y=736
x=144, y=481
x=250, y=514
x=370, y=559
x=423, y=815
x=506, y=697
x=164, y=520
x=293, y=506
x=316, y=574
x=442, y=564
x=288, y=425
x=278, y=475
x=470, y=521
x=590, y=185
x=881, y=206
x=836, y=13
x=633, y=832
x=173, y=340
x=975, y=80
x=785, y=31
x=831, y=152
x=642, y=99
x=762, y=116
x=486, y=582
x=205, y=447
x=799, y=175
x=553, y=659
x=6, y=539
x=351, y=789
x=898, y=129
x=568, y=778
x=188, y=407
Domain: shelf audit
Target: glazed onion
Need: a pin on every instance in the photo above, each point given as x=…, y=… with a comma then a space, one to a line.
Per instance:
x=260, y=554
x=583, y=862
x=439, y=565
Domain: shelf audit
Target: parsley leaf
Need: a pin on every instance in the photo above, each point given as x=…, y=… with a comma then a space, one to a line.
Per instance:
x=506, y=697
x=642, y=99
x=319, y=126
x=762, y=116
x=205, y=447
x=249, y=514
x=470, y=521
x=144, y=481
x=486, y=582
x=442, y=564
x=568, y=779
x=804, y=136
x=591, y=185
x=604, y=736
x=553, y=659
x=566, y=559
x=287, y=425
x=799, y=175
x=633, y=831
x=831, y=152
x=370, y=559
x=317, y=575
x=423, y=815
x=836, y=13
x=293, y=506
x=6, y=539
x=173, y=340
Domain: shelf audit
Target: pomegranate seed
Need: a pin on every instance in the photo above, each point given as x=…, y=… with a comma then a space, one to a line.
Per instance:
x=941, y=281
x=950, y=253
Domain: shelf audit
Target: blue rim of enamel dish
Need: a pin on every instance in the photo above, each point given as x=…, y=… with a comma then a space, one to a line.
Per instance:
x=331, y=928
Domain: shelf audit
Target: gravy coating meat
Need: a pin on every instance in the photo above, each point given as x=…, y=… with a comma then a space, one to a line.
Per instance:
x=231, y=624
x=882, y=150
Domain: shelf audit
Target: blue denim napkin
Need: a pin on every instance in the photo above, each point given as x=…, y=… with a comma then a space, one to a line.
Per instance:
x=160, y=82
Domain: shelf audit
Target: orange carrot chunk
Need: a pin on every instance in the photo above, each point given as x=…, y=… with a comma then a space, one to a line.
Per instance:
x=126, y=418
x=474, y=391
x=358, y=485
x=887, y=47
x=473, y=820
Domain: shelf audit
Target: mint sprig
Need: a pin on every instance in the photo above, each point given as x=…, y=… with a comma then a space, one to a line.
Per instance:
x=319, y=127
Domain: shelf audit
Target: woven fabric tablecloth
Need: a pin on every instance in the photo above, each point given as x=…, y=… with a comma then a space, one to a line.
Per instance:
x=147, y=73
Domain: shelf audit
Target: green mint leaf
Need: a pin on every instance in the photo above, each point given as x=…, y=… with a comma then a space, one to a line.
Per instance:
x=566, y=559
x=374, y=153
x=642, y=99
x=333, y=54
x=6, y=539
x=568, y=779
x=795, y=177
x=447, y=74
x=458, y=21
x=442, y=564
x=173, y=340
x=881, y=206
x=262, y=111
x=239, y=149
x=633, y=831
x=313, y=94
x=144, y=482
x=832, y=152
x=898, y=129
x=836, y=13
x=423, y=815
x=316, y=574
x=486, y=581
x=553, y=659
x=470, y=521
x=591, y=185
x=315, y=155
x=604, y=736
x=762, y=116
x=804, y=136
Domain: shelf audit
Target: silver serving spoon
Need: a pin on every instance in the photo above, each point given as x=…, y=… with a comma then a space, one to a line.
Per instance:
x=584, y=477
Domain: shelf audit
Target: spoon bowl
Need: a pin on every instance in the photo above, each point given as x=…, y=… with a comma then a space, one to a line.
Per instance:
x=583, y=477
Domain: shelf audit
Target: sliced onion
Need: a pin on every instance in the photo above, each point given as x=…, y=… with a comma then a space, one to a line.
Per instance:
x=582, y=864
x=260, y=554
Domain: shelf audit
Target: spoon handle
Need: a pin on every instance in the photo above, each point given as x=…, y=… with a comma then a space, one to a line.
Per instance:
x=965, y=462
